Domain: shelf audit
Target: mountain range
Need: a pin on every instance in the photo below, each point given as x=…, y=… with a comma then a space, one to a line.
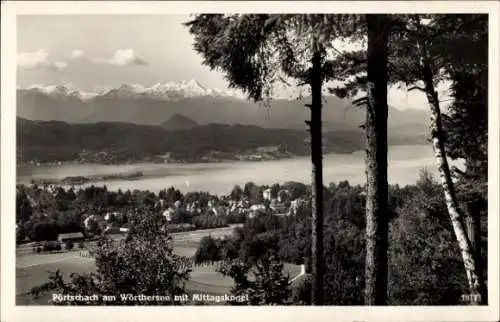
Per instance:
x=154, y=105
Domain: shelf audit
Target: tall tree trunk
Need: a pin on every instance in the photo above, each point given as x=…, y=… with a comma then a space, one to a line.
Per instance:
x=317, y=180
x=476, y=282
x=376, y=163
x=474, y=228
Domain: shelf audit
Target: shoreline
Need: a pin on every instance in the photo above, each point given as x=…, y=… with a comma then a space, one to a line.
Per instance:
x=404, y=162
x=81, y=180
x=55, y=164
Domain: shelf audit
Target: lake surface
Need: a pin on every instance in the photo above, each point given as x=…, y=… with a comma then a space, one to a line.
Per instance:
x=219, y=178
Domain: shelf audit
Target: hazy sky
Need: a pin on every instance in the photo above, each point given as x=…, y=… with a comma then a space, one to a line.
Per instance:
x=159, y=40
x=91, y=51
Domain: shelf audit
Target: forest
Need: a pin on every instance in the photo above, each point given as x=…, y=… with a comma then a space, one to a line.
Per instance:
x=424, y=265
x=53, y=141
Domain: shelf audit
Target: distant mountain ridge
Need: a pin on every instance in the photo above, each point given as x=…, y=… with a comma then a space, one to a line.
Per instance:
x=161, y=91
x=115, y=142
x=179, y=122
x=153, y=105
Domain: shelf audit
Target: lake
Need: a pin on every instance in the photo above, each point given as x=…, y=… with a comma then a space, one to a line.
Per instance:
x=219, y=178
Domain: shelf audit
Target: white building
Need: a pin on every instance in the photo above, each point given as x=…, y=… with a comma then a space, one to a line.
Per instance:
x=266, y=194
x=294, y=206
x=168, y=214
x=257, y=207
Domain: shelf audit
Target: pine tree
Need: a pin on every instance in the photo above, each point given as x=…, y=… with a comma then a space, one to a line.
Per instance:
x=423, y=51
x=377, y=221
x=430, y=63
x=258, y=51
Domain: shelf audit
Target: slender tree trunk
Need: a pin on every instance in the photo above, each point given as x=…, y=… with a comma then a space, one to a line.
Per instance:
x=476, y=282
x=474, y=234
x=376, y=163
x=317, y=181
x=474, y=228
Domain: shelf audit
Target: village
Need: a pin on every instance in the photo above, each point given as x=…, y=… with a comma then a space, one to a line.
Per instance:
x=193, y=211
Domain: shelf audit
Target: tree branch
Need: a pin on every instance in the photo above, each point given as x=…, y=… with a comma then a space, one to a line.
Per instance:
x=360, y=101
x=356, y=60
x=415, y=87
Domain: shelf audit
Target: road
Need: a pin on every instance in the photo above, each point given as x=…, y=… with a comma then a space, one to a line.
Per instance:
x=187, y=236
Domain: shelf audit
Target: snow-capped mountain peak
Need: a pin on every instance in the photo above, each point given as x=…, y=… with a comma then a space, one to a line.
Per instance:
x=194, y=86
x=182, y=89
x=125, y=90
x=162, y=91
x=61, y=90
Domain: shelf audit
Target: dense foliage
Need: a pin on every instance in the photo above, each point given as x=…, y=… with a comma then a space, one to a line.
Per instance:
x=424, y=260
x=44, y=212
x=142, y=264
x=263, y=284
x=59, y=141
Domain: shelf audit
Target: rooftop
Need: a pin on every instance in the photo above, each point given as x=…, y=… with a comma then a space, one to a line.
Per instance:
x=71, y=235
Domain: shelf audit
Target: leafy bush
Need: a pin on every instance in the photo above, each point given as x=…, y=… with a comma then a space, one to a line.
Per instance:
x=270, y=286
x=50, y=246
x=209, y=250
x=425, y=267
x=143, y=263
x=301, y=291
x=69, y=245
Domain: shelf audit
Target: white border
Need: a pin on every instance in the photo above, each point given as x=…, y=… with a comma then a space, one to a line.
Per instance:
x=8, y=169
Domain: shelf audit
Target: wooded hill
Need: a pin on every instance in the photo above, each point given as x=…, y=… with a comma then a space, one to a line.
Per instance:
x=59, y=141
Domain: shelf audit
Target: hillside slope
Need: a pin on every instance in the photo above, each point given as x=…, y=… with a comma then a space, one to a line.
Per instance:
x=60, y=141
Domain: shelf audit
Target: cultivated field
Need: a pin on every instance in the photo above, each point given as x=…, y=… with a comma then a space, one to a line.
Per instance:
x=32, y=269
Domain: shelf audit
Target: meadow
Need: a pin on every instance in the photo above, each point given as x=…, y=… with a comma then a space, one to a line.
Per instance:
x=33, y=269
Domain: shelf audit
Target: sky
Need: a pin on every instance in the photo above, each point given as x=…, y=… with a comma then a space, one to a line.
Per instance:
x=92, y=51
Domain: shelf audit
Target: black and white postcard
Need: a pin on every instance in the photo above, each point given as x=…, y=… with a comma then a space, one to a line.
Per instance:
x=228, y=158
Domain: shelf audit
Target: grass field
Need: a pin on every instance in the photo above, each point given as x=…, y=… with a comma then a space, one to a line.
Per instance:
x=33, y=269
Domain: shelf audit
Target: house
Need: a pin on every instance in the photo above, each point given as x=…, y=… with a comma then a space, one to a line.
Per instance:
x=266, y=194
x=268, y=149
x=111, y=230
x=168, y=214
x=97, y=218
x=295, y=205
x=74, y=237
x=220, y=211
x=86, y=221
x=257, y=207
x=255, y=157
x=162, y=203
x=297, y=282
x=243, y=204
x=165, y=157
x=283, y=195
x=278, y=207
